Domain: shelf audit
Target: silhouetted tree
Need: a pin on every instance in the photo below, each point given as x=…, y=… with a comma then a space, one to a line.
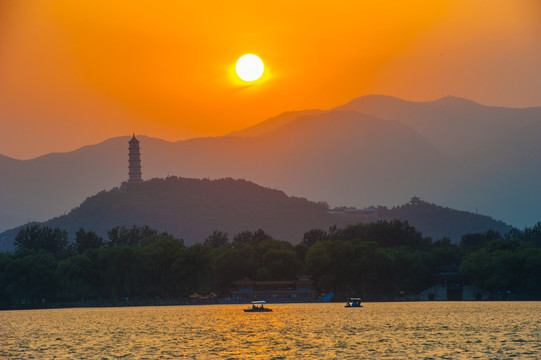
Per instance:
x=85, y=240
x=280, y=265
x=30, y=279
x=217, y=239
x=533, y=234
x=5, y=260
x=471, y=242
x=313, y=236
x=136, y=236
x=335, y=233
x=233, y=264
x=243, y=238
x=54, y=241
x=76, y=277
x=393, y=233
x=505, y=265
x=165, y=262
x=251, y=238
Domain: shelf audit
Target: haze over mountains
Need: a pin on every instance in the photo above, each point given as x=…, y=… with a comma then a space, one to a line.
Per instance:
x=191, y=209
x=375, y=150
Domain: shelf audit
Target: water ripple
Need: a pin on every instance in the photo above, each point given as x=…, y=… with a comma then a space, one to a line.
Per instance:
x=426, y=330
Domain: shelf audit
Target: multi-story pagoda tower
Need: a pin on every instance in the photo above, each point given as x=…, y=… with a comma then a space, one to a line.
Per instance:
x=134, y=168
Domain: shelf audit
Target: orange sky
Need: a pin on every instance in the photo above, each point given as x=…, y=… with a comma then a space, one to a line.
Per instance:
x=76, y=72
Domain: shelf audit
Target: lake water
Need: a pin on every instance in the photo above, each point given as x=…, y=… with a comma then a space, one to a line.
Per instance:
x=417, y=330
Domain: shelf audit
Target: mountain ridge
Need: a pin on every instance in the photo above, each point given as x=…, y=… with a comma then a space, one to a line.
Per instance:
x=339, y=156
x=273, y=123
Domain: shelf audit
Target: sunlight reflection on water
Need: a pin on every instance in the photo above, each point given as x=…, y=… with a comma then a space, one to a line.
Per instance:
x=426, y=330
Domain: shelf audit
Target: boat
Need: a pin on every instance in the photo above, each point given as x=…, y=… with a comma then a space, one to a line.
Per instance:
x=258, y=306
x=353, y=302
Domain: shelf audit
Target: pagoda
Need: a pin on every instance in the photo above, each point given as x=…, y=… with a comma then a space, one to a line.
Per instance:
x=134, y=167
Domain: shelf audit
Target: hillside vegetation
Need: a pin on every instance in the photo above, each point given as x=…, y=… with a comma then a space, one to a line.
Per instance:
x=439, y=222
x=191, y=209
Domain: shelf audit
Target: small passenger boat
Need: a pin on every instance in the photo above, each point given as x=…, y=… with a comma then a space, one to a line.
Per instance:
x=258, y=306
x=353, y=302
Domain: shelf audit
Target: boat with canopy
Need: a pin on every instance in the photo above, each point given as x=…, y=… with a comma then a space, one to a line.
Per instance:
x=258, y=306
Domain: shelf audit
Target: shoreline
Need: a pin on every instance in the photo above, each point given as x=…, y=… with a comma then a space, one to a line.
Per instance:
x=187, y=302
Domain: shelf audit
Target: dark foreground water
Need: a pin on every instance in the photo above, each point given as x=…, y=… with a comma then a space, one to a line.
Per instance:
x=424, y=330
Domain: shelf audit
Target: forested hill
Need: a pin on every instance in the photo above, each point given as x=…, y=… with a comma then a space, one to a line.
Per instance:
x=193, y=209
x=438, y=221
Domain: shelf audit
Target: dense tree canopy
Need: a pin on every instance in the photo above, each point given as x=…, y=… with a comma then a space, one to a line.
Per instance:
x=510, y=266
x=378, y=261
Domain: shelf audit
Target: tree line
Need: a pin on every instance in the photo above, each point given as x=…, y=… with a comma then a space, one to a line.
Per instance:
x=379, y=261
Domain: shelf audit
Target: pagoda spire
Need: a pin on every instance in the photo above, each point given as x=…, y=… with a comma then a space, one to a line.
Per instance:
x=134, y=161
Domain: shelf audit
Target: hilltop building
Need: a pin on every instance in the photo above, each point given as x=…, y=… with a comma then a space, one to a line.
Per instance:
x=134, y=164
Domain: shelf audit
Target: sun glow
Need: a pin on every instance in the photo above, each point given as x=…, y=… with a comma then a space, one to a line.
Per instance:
x=249, y=67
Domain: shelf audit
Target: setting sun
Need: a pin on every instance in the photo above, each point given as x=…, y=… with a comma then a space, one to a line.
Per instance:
x=249, y=67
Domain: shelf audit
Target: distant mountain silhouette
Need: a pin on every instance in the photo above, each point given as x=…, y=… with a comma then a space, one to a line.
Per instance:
x=192, y=209
x=454, y=126
x=373, y=150
x=273, y=123
x=492, y=150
